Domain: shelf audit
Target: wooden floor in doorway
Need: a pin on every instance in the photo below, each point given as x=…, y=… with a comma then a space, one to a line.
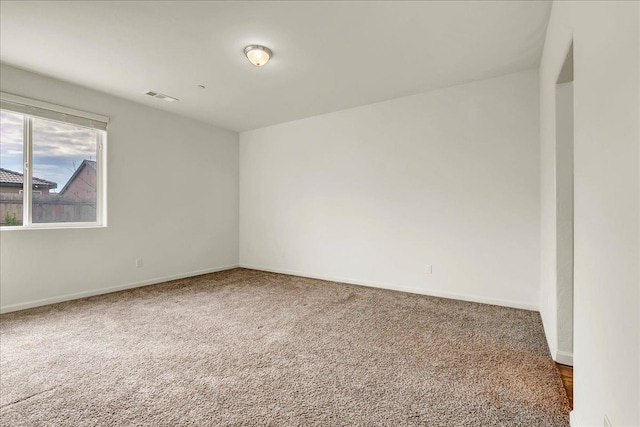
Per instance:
x=566, y=372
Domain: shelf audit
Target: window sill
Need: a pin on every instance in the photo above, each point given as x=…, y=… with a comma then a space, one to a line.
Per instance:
x=53, y=227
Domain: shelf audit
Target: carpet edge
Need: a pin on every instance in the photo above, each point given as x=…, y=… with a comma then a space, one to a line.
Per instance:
x=393, y=287
x=84, y=294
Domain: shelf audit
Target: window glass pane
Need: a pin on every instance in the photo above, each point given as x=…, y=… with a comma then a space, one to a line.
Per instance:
x=64, y=172
x=11, y=164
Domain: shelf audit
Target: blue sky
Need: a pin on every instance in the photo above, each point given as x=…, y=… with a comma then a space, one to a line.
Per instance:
x=58, y=148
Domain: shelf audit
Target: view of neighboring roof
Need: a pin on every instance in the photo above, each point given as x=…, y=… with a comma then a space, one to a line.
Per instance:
x=16, y=179
x=88, y=163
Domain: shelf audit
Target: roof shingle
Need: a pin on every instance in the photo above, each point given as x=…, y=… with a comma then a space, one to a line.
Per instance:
x=16, y=179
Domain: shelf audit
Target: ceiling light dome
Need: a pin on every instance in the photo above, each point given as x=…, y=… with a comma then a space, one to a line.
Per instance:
x=258, y=55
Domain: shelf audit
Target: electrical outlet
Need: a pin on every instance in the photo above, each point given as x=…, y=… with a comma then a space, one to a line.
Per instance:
x=607, y=423
x=429, y=269
x=138, y=262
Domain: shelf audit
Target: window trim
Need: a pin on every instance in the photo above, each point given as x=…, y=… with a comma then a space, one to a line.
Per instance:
x=47, y=111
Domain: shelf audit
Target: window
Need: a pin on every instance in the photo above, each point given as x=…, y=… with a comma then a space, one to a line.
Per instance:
x=52, y=165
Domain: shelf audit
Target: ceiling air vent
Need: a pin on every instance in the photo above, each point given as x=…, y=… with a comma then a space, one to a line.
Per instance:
x=161, y=96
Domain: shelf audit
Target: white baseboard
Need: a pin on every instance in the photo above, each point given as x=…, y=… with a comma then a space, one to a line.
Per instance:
x=393, y=287
x=85, y=294
x=572, y=420
x=563, y=357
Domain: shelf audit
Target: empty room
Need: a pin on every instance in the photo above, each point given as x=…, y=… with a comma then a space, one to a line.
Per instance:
x=320, y=213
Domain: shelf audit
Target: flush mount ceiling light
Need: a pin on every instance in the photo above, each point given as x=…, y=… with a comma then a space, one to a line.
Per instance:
x=258, y=55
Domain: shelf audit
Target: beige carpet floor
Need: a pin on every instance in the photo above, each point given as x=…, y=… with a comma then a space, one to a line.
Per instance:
x=244, y=347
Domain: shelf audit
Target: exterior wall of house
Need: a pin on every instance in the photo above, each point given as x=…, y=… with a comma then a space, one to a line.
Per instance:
x=13, y=190
x=9, y=189
x=83, y=184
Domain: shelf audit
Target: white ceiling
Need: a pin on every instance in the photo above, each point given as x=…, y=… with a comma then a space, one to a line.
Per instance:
x=328, y=56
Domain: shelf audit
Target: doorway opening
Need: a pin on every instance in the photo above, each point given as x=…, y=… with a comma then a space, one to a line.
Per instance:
x=564, y=211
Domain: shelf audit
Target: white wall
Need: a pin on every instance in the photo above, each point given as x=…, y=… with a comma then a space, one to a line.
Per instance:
x=564, y=222
x=373, y=194
x=172, y=200
x=606, y=202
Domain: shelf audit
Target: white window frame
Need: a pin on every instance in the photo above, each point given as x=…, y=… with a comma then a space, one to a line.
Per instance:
x=47, y=111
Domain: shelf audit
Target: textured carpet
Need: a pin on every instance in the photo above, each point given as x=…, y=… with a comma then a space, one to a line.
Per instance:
x=244, y=347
